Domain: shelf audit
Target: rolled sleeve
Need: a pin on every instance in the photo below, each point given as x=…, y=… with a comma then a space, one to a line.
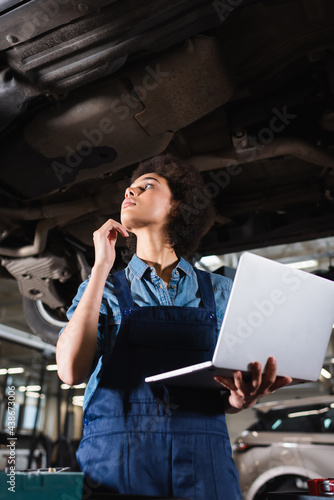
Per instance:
x=103, y=322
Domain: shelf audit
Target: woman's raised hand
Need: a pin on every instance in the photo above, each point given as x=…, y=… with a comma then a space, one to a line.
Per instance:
x=105, y=241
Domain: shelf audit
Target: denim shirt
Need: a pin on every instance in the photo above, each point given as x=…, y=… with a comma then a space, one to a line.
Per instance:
x=147, y=289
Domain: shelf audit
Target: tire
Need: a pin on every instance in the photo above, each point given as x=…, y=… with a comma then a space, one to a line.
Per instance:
x=289, y=483
x=43, y=320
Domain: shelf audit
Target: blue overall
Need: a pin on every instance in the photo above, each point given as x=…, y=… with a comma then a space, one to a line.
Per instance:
x=152, y=439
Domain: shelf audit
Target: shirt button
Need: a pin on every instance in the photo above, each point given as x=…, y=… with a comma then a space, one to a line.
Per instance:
x=176, y=272
x=173, y=286
x=85, y=421
x=212, y=316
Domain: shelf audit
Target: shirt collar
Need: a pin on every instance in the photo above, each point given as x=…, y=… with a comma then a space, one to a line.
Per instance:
x=185, y=266
x=139, y=267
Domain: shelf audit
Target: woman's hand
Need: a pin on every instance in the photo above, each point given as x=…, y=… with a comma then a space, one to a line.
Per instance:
x=244, y=394
x=104, y=242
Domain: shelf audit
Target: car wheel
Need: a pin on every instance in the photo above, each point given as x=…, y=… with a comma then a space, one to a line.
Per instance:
x=294, y=484
x=289, y=483
x=43, y=320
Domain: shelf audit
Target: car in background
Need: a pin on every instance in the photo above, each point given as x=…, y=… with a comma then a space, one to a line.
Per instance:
x=242, y=89
x=291, y=441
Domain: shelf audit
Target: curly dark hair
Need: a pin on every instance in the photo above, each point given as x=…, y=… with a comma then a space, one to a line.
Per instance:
x=195, y=212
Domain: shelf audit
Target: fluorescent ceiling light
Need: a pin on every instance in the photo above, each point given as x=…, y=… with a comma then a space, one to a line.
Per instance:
x=3, y=371
x=211, y=260
x=35, y=395
x=79, y=386
x=32, y=388
x=12, y=371
x=52, y=368
x=307, y=413
x=304, y=264
x=77, y=400
x=326, y=374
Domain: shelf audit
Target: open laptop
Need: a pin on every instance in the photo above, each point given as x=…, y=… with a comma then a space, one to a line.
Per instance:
x=273, y=310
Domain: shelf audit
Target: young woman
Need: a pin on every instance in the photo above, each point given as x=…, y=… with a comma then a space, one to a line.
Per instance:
x=153, y=439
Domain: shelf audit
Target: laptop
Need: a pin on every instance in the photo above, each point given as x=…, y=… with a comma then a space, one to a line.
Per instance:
x=273, y=310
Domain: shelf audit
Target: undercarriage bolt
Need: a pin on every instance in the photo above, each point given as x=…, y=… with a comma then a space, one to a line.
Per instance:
x=12, y=39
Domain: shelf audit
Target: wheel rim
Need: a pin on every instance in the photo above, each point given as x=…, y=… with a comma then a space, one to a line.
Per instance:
x=47, y=316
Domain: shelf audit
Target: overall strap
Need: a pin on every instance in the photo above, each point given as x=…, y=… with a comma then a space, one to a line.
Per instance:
x=206, y=290
x=122, y=290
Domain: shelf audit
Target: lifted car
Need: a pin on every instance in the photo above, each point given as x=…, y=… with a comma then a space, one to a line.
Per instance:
x=242, y=89
x=292, y=441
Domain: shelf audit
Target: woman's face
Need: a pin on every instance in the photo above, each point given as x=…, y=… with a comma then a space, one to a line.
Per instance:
x=148, y=202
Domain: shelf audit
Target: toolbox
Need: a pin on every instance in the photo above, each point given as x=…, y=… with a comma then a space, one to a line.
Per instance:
x=56, y=485
x=39, y=485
